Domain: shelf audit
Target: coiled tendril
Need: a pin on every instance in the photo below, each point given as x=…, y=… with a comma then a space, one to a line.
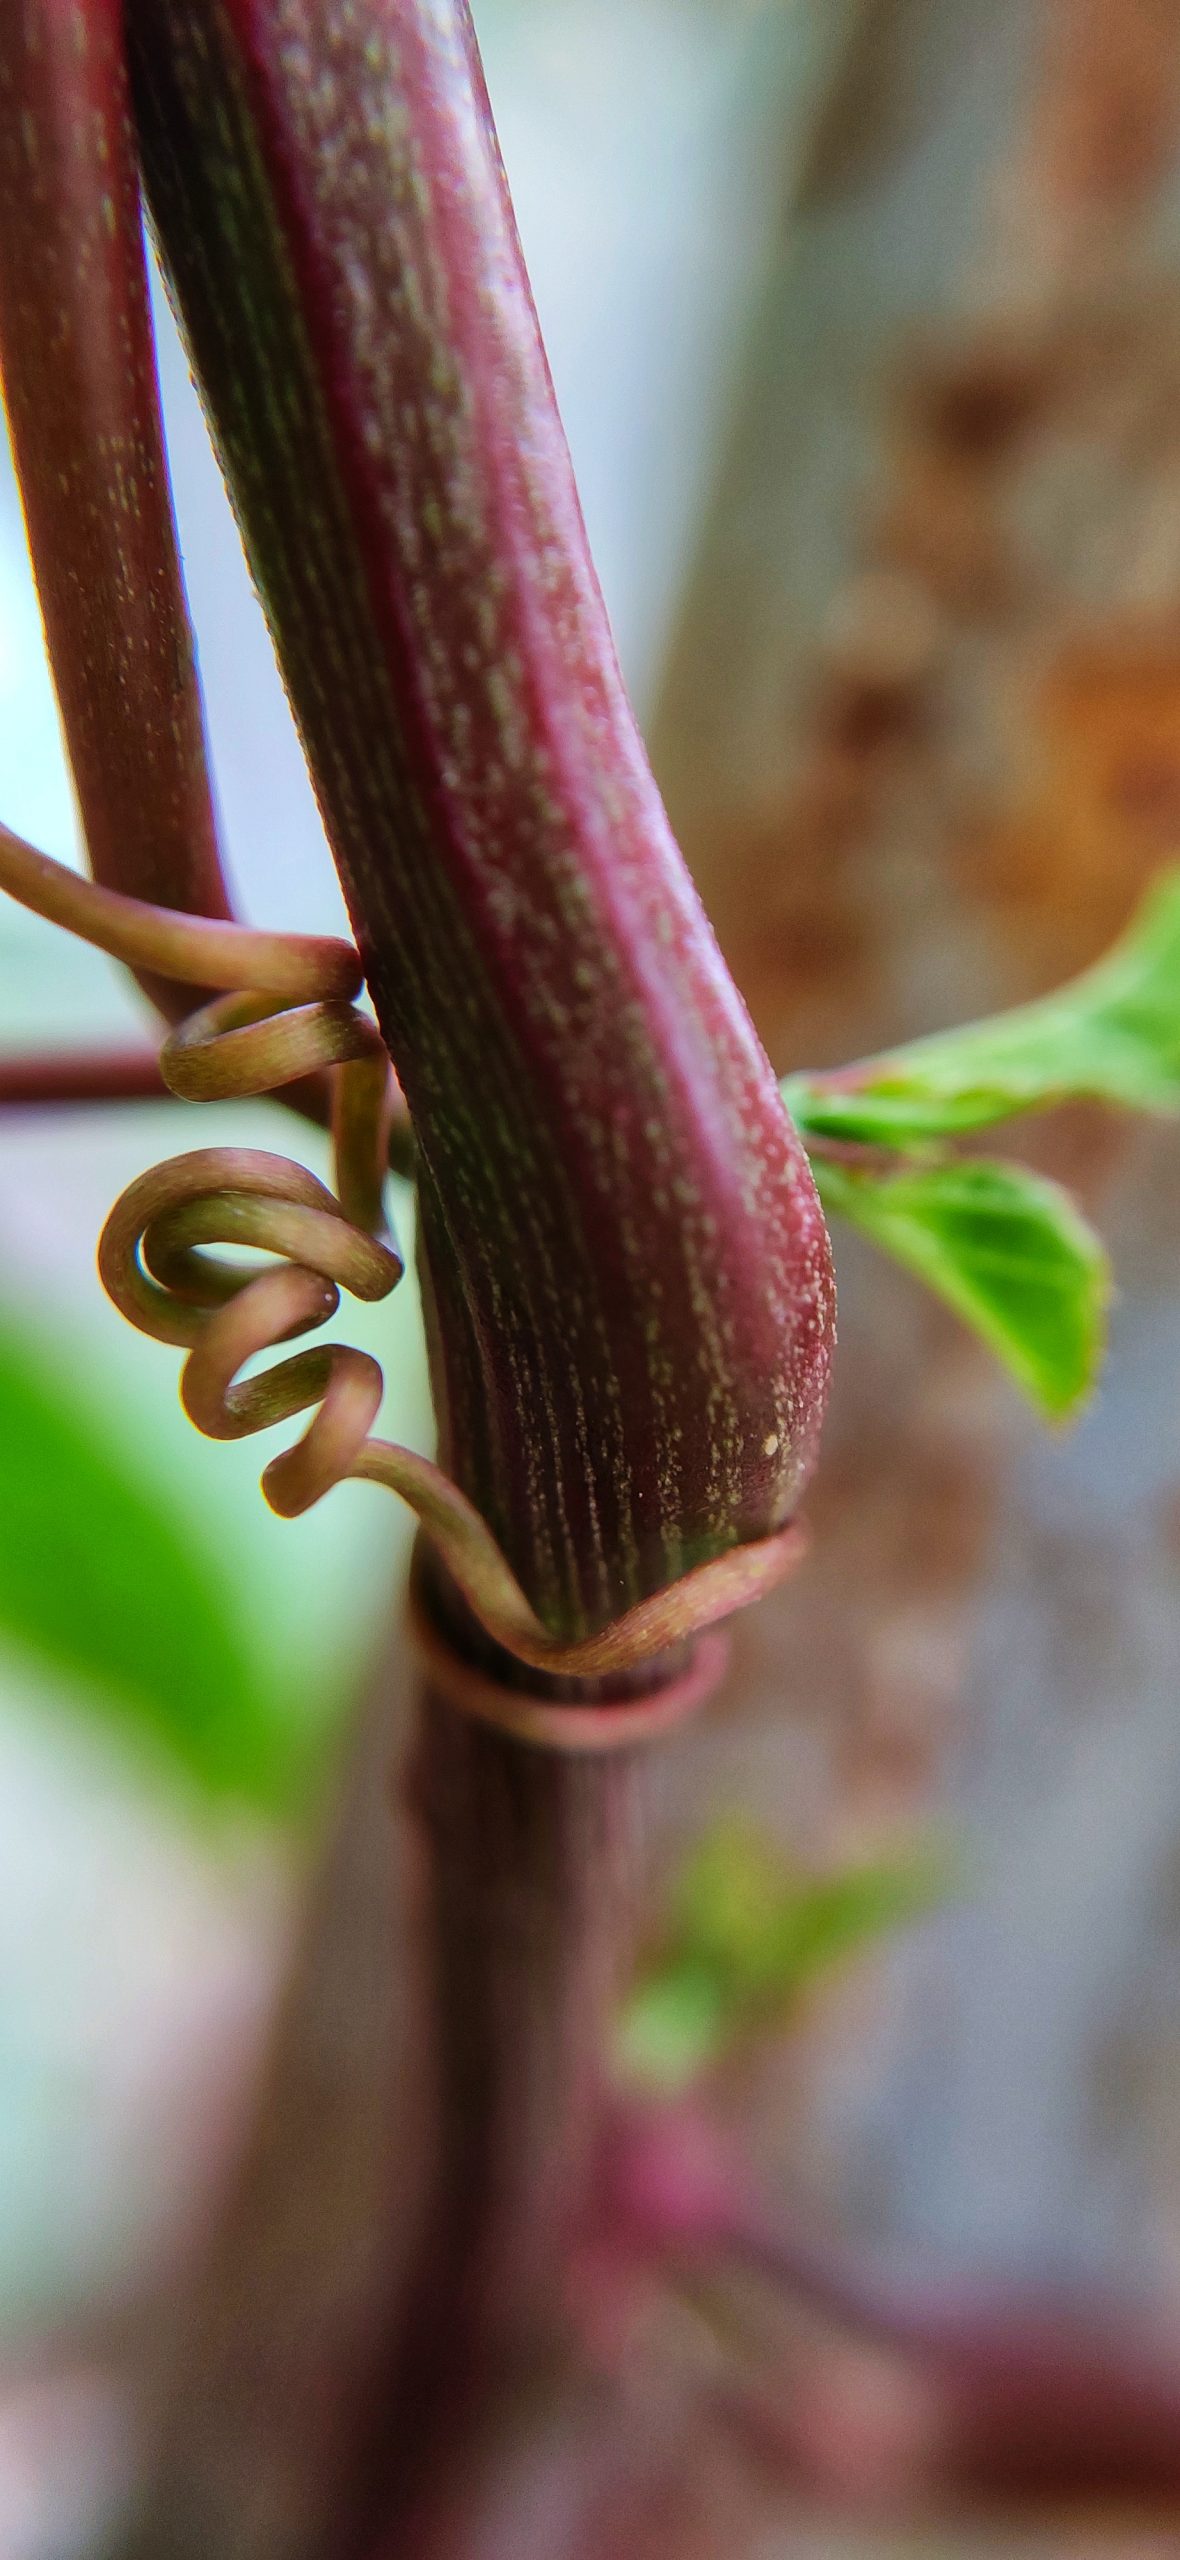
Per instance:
x=287, y=1011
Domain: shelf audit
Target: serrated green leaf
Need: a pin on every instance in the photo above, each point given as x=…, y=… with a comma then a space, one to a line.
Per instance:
x=1112, y=1035
x=746, y=1935
x=102, y=1579
x=1008, y=1250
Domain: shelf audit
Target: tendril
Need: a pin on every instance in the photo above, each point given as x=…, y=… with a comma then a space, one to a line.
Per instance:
x=284, y=1009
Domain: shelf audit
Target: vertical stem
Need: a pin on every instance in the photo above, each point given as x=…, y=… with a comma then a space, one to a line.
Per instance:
x=629, y=1270
x=523, y=1888
x=629, y=1302
x=83, y=414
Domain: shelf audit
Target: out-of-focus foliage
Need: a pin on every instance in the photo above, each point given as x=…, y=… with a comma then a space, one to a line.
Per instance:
x=1112, y=1035
x=1006, y=1249
x=106, y=1581
x=747, y=1933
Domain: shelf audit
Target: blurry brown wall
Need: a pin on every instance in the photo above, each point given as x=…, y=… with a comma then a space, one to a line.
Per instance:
x=920, y=738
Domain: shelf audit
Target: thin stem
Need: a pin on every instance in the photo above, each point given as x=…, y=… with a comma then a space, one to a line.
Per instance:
x=57, y=1078
x=1000, y=2392
x=83, y=412
x=1016, y=2395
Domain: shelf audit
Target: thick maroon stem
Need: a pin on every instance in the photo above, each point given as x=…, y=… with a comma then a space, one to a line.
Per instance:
x=628, y=1266
x=524, y=1872
x=627, y=1280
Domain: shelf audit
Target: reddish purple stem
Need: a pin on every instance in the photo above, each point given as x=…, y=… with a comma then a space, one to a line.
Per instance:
x=630, y=1287
x=1022, y=2396
x=79, y=377
x=61, y=1077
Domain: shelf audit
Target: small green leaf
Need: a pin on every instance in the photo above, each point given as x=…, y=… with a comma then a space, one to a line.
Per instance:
x=674, y=2025
x=746, y=1935
x=1112, y=1035
x=1006, y=1249
x=103, y=1580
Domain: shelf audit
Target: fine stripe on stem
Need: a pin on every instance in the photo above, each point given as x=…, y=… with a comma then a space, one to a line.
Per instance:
x=628, y=1277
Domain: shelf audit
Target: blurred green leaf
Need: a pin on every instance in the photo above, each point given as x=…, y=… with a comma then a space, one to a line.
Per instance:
x=1112, y=1035
x=105, y=1580
x=675, y=2024
x=746, y=1935
x=1006, y=1249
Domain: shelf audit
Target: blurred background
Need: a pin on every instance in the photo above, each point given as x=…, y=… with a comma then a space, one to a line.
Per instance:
x=864, y=317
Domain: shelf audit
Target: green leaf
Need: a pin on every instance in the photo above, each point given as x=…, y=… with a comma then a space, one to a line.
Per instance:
x=1006, y=1249
x=674, y=2025
x=102, y=1579
x=747, y=1934
x=1112, y=1035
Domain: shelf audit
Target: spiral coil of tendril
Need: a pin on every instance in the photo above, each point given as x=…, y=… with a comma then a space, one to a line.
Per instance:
x=286, y=1011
